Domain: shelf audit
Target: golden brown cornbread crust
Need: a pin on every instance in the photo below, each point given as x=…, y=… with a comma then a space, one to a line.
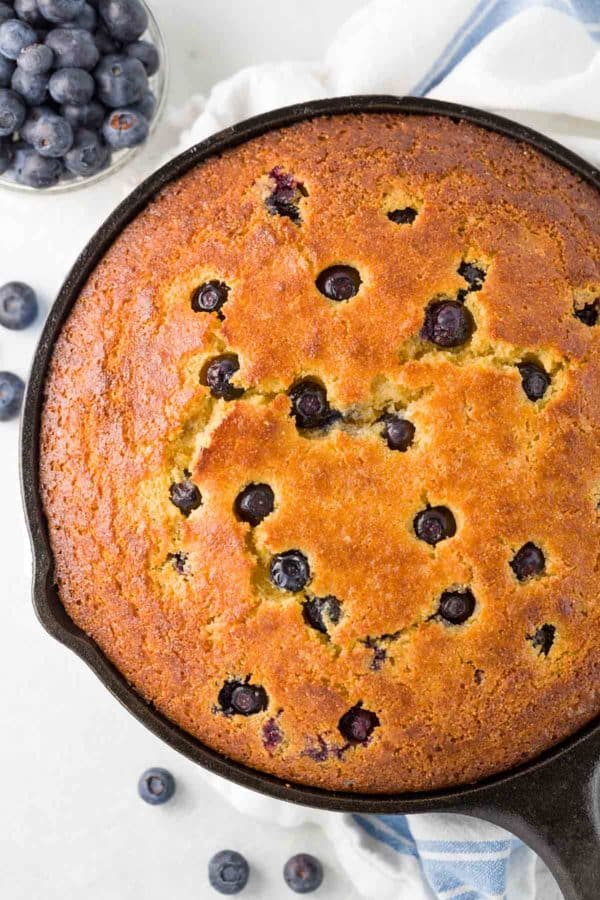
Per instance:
x=125, y=415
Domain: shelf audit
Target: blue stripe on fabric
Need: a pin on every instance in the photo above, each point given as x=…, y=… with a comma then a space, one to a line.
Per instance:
x=399, y=824
x=487, y=16
x=445, y=846
x=399, y=844
x=488, y=877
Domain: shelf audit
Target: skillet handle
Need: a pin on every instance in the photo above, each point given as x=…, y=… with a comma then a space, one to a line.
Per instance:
x=556, y=810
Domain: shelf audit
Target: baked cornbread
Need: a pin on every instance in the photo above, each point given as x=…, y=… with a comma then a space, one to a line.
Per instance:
x=320, y=453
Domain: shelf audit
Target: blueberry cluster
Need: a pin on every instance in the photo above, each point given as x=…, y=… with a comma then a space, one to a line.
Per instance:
x=18, y=309
x=73, y=86
x=228, y=873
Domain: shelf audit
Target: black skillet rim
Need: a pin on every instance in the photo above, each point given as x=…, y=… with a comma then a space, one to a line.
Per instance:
x=50, y=611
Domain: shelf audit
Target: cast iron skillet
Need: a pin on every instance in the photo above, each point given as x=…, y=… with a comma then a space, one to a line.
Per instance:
x=552, y=802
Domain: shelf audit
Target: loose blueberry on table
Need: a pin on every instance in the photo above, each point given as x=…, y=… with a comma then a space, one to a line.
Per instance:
x=228, y=872
x=73, y=86
x=303, y=873
x=12, y=389
x=18, y=305
x=156, y=786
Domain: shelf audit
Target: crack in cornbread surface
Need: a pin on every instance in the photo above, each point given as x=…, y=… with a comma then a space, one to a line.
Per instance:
x=184, y=604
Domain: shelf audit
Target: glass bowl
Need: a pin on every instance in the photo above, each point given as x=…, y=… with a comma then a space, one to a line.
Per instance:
x=158, y=84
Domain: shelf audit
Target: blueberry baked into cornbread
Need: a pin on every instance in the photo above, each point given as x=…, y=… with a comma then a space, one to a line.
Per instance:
x=320, y=453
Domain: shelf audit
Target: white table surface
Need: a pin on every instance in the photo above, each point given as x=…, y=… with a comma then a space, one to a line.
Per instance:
x=72, y=826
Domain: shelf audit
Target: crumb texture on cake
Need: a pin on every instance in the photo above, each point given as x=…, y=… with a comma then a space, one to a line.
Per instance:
x=392, y=651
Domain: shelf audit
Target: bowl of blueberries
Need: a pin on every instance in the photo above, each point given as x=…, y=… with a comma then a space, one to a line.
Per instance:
x=82, y=86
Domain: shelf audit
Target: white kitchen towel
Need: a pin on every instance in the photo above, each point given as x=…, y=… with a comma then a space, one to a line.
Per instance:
x=537, y=62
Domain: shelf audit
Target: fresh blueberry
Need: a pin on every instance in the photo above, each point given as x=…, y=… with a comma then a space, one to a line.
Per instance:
x=405, y=216
x=12, y=112
x=147, y=55
x=473, y=275
x=36, y=171
x=241, y=698
x=456, y=606
x=535, y=380
x=51, y=135
x=303, y=873
x=59, y=11
x=29, y=11
x=290, y=571
x=210, y=296
x=528, y=561
x=448, y=324
x=542, y=639
x=7, y=12
x=36, y=59
x=125, y=128
x=588, y=314
x=185, y=495
x=88, y=154
x=87, y=18
x=11, y=395
x=156, y=786
x=399, y=433
x=121, y=80
x=254, y=503
x=18, y=305
x=33, y=89
x=72, y=86
x=146, y=106
x=90, y=115
x=319, y=612
x=73, y=47
x=228, y=872
x=34, y=116
x=285, y=197
x=7, y=155
x=339, y=282
x=7, y=67
x=105, y=42
x=434, y=524
x=14, y=36
x=126, y=20
x=310, y=406
x=357, y=725
x=217, y=374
